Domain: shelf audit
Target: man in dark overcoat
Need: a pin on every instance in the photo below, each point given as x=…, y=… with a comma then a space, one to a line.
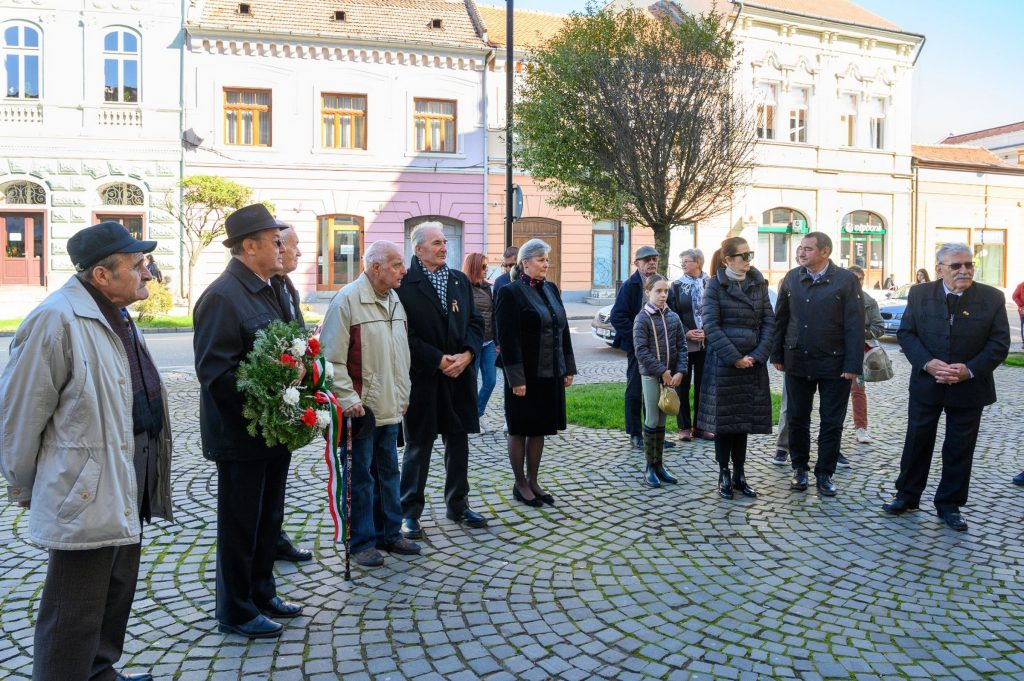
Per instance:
x=251, y=476
x=955, y=334
x=628, y=303
x=819, y=343
x=445, y=334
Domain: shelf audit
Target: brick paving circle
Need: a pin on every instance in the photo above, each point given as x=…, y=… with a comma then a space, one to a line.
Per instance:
x=616, y=581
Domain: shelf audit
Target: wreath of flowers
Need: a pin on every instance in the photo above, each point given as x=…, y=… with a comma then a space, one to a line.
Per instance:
x=287, y=387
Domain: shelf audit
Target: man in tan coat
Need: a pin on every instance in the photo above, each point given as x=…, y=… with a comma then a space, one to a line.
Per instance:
x=85, y=443
x=365, y=337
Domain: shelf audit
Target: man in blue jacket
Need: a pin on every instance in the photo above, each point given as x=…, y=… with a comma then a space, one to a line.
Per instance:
x=628, y=303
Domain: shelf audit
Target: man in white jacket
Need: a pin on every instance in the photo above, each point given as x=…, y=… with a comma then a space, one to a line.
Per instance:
x=365, y=337
x=85, y=444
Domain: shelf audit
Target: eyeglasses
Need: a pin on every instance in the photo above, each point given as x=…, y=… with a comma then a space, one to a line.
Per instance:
x=748, y=256
x=957, y=265
x=507, y=265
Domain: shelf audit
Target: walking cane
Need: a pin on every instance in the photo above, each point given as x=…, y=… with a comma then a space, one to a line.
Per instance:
x=348, y=495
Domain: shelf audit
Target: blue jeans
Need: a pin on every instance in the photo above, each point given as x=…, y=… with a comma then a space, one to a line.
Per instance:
x=376, y=516
x=485, y=369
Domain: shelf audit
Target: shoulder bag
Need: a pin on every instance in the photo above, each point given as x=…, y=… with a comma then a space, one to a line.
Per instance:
x=668, y=400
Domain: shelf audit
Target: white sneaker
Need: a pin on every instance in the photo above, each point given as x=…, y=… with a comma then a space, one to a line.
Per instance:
x=863, y=437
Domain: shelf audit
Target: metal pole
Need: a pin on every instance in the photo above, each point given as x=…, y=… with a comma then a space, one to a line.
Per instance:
x=509, y=65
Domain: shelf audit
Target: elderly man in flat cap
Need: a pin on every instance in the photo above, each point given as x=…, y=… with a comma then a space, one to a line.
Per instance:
x=250, y=475
x=85, y=445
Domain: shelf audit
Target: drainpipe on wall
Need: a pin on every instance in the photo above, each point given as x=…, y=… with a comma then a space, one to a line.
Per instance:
x=914, y=215
x=485, y=154
x=181, y=153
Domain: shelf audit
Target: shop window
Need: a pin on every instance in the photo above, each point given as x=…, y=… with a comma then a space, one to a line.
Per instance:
x=133, y=223
x=339, y=251
x=777, y=237
x=863, y=244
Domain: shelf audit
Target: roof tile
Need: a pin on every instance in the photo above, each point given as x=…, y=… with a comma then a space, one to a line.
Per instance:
x=982, y=134
x=532, y=29
x=959, y=155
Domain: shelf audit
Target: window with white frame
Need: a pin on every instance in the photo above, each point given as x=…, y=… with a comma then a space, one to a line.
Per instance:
x=799, y=98
x=877, y=122
x=22, y=50
x=848, y=120
x=121, y=66
x=767, y=101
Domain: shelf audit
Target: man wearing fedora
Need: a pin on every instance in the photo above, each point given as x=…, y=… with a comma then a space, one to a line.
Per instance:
x=86, y=447
x=251, y=476
x=628, y=303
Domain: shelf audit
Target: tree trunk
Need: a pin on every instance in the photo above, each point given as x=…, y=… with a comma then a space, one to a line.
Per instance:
x=662, y=239
x=191, y=276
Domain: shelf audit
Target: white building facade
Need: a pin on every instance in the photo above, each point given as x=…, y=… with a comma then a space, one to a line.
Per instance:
x=832, y=101
x=89, y=131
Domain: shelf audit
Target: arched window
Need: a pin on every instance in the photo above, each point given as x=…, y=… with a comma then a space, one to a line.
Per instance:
x=121, y=66
x=863, y=244
x=777, y=238
x=122, y=194
x=452, y=232
x=24, y=193
x=22, y=50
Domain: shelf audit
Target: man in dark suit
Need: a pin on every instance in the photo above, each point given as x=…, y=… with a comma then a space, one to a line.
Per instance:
x=289, y=300
x=955, y=333
x=251, y=476
x=819, y=343
x=445, y=334
x=628, y=303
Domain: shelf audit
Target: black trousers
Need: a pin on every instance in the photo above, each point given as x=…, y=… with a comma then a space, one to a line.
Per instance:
x=962, y=427
x=250, y=507
x=416, y=467
x=83, y=613
x=634, y=396
x=694, y=371
x=833, y=398
x=731, y=447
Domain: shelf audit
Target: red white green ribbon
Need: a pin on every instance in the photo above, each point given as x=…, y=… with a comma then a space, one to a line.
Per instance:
x=332, y=455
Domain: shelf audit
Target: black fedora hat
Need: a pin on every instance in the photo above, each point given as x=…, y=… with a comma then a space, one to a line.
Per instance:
x=247, y=220
x=90, y=245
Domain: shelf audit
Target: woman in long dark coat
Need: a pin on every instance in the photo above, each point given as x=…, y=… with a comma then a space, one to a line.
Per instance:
x=537, y=359
x=739, y=327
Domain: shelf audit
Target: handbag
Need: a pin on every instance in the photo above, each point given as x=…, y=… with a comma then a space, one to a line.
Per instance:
x=668, y=400
x=877, y=365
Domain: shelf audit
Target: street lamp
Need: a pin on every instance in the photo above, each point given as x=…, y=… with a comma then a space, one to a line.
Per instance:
x=509, y=65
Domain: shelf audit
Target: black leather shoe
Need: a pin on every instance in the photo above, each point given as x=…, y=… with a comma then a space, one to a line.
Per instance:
x=650, y=477
x=825, y=486
x=799, y=480
x=467, y=517
x=411, y=528
x=740, y=483
x=898, y=505
x=547, y=499
x=724, y=484
x=953, y=519
x=636, y=441
x=286, y=551
x=518, y=496
x=132, y=677
x=669, y=444
x=664, y=475
x=257, y=627
x=280, y=608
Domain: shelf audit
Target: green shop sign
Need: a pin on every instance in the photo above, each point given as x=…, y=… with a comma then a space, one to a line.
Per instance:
x=864, y=229
x=796, y=227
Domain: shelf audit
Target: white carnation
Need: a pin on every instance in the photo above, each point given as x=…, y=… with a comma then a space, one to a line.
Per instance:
x=298, y=348
x=323, y=418
x=291, y=396
x=329, y=369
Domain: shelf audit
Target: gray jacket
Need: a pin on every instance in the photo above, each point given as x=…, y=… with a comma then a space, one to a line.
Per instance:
x=66, y=441
x=649, y=330
x=874, y=327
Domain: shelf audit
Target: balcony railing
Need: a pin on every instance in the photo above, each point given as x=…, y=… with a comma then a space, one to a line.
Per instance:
x=21, y=113
x=120, y=116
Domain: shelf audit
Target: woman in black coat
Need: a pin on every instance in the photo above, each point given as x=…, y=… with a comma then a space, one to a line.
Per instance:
x=537, y=359
x=686, y=298
x=739, y=326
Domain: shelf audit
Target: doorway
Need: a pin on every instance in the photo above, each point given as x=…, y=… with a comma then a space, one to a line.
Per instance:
x=22, y=246
x=550, y=231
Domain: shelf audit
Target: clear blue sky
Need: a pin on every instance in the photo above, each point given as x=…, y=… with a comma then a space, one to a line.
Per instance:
x=970, y=74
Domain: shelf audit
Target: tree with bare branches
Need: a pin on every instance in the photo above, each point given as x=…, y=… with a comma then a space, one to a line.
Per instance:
x=206, y=201
x=634, y=115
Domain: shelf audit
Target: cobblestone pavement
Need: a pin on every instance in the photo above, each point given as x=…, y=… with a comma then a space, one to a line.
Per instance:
x=614, y=582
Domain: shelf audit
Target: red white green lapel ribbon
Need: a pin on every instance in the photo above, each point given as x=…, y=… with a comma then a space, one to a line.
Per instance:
x=332, y=455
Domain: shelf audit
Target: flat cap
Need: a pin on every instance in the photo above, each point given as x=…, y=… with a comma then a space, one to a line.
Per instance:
x=645, y=252
x=90, y=245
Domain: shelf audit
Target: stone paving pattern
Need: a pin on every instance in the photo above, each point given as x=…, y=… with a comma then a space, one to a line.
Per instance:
x=616, y=582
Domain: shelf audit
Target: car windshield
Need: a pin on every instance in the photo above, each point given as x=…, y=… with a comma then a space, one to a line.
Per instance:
x=902, y=293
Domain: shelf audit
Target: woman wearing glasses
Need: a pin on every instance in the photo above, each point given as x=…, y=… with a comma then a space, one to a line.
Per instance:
x=474, y=266
x=739, y=327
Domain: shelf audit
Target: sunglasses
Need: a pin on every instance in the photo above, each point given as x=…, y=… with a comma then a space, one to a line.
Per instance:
x=506, y=266
x=957, y=265
x=748, y=256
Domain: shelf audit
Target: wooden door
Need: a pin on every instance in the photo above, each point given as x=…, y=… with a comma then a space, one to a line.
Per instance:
x=21, y=249
x=550, y=231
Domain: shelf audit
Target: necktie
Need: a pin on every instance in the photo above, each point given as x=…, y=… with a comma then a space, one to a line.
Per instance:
x=952, y=300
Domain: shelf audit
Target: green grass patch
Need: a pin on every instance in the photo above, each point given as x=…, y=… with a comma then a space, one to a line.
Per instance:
x=1015, y=361
x=166, y=322
x=602, y=405
x=10, y=324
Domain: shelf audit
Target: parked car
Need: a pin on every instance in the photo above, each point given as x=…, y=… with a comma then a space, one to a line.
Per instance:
x=603, y=329
x=892, y=309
